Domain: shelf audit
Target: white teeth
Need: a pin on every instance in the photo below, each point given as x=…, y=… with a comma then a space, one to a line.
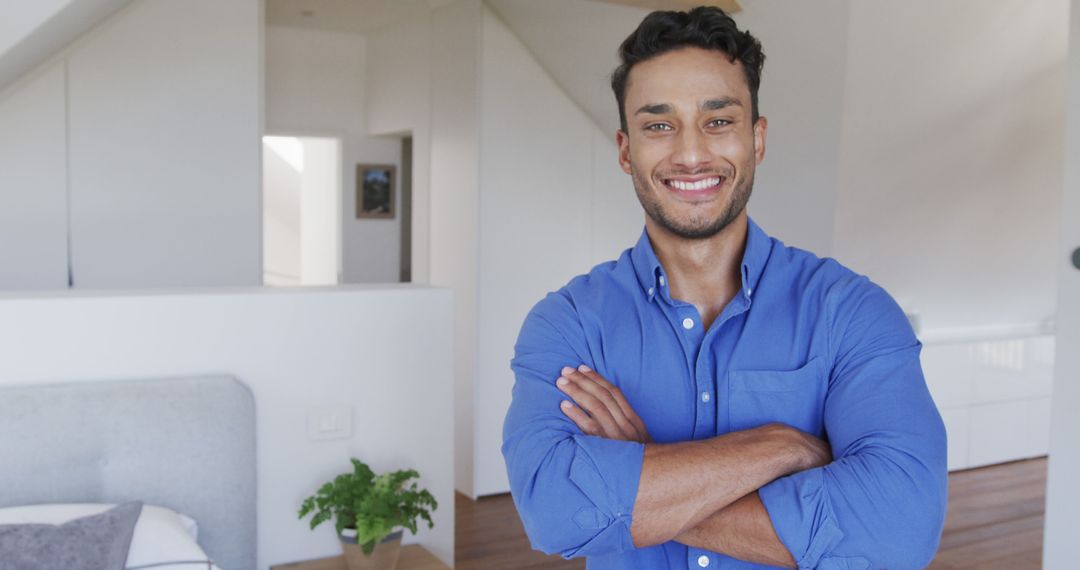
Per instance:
x=694, y=186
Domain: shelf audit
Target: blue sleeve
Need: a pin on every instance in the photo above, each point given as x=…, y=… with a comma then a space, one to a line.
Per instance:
x=575, y=493
x=881, y=502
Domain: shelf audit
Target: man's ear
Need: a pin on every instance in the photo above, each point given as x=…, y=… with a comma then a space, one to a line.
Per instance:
x=623, y=142
x=761, y=130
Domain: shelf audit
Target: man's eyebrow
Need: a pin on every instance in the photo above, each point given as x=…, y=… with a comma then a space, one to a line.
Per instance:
x=722, y=102
x=708, y=105
x=654, y=109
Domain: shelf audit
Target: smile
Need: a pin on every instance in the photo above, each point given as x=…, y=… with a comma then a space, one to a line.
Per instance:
x=695, y=188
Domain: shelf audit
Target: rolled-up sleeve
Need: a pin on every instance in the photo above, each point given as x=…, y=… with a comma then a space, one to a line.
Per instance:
x=575, y=493
x=881, y=502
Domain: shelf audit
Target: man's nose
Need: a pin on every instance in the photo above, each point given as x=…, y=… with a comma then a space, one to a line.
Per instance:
x=690, y=149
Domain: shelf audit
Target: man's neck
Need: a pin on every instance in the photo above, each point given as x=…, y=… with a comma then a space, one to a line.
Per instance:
x=703, y=272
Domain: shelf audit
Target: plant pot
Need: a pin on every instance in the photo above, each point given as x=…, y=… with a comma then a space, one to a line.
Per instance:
x=384, y=557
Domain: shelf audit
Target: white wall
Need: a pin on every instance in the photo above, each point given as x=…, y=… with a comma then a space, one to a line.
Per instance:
x=320, y=211
x=33, y=183
x=455, y=187
x=397, y=92
x=19, y=22
x=315, y=86
x=950, y=163
x=164, y=147
x=542, y=220
x=802, y=95
x=1062, y=494
x=282, y=186
x=298, y=350
x=148, y=122
x=301, y=210
x=31, y=32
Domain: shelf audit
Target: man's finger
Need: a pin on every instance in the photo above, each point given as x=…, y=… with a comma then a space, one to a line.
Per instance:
x=626, y=430
x=591, y=404
x=579, y=417
x=620, y=400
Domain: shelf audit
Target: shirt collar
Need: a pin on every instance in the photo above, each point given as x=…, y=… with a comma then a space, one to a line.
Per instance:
x=651, y=276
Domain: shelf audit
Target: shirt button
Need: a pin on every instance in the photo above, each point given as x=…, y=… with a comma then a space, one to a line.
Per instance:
x=662, y=281
x=705, y=397
x=703, y=561
x=688, y=324
x=650, y=291
x=749, y=291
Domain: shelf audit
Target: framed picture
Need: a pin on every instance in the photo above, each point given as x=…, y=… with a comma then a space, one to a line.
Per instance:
x=375, y=190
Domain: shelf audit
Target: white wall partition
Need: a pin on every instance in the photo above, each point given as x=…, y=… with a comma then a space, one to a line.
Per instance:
x=300, y=351
x=1062, y=494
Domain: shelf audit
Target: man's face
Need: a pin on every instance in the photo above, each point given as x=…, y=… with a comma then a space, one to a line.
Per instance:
x=691, y=145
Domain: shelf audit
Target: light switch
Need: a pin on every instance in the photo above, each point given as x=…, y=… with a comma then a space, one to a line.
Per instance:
x=334, y=422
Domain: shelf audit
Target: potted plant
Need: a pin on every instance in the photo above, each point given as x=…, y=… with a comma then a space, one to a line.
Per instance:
x=370, y=513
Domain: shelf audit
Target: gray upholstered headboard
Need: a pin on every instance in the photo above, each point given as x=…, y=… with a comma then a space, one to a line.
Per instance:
x=184, y=443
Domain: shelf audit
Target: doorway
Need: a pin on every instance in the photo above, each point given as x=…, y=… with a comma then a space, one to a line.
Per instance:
x=301, y=210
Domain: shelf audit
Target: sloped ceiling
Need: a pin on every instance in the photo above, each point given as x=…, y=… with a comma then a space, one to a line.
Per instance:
x=32, y=32
x=351, y=16
x=576, y=42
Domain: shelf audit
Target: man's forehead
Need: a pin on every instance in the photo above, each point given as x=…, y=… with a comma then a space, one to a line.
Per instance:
x=686, y=76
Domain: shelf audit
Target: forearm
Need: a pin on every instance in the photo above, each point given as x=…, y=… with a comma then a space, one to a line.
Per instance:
x=741, y=530
x=682, y=484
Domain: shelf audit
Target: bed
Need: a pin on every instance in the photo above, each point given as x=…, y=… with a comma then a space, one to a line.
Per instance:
x=185, y=443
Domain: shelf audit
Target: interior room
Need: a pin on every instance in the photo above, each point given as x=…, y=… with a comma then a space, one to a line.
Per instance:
x=245, y=243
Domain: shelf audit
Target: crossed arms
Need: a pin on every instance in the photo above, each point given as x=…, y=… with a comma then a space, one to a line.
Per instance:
x=699, y=493
x=591, y=483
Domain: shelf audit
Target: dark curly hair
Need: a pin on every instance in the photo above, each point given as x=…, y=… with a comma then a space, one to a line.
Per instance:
x=704, y=27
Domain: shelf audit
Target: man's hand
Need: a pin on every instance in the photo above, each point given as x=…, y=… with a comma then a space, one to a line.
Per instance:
x=601, y=408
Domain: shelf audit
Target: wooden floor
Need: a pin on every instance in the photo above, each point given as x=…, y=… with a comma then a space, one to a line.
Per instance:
x=994, y=522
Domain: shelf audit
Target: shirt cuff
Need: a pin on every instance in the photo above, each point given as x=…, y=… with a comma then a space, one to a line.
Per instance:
x=798, y=506
x=607, y=472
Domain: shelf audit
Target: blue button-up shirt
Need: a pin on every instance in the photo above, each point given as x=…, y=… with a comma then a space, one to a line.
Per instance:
x=806, y=342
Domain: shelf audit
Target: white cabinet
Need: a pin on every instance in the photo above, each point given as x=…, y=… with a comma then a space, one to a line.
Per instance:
x=994, y=396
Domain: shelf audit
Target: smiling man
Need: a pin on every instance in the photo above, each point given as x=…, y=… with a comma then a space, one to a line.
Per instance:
x=715, y=398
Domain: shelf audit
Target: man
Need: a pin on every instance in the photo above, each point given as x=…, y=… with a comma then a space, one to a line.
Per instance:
x=714, y=398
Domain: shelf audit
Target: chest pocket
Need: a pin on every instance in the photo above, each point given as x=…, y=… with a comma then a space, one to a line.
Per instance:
x=793, y=397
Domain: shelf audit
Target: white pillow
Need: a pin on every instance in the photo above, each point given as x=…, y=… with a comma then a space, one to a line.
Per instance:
x=161, y=535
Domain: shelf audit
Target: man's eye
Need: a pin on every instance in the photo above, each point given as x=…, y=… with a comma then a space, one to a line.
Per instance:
x=658, y=127
x=719, y=123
